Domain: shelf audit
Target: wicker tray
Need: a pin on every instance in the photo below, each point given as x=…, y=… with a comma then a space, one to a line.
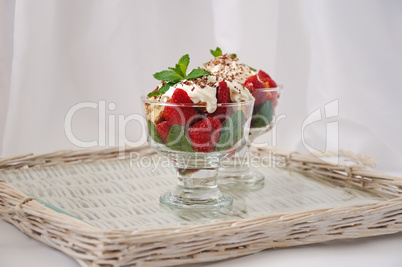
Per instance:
x=103, y=210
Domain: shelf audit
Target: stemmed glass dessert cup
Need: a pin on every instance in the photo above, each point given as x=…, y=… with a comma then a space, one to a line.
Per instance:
x=195, y=145
x=237, y=171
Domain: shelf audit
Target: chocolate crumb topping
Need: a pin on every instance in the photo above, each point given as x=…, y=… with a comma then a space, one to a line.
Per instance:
x=229, y=68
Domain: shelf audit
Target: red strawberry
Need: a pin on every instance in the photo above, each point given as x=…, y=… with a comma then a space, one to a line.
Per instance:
x=205, y=134
x=266, y=79
x=270, y=84
x=163, y=130
x=264, y=76
x=223, y=93
x=222, y=96
x=253, y=83
x=261, y=96
x=180, y=115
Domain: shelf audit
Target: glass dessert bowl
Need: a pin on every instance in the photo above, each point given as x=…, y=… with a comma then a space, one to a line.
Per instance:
x=195, y=141
x=237, y=171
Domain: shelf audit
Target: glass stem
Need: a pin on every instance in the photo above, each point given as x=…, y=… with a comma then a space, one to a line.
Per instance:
x=239, y=162
x=196, y=189
x=197, y=185
x=237, y=170
x=196, y=178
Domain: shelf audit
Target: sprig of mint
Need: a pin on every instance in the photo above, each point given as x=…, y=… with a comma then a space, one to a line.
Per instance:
x=153, y=132
x=264, y=116
x=218, y=52
x=161, y=90
x=232, y=131
x=252, y=68
x=177, y=139
x=176, y=74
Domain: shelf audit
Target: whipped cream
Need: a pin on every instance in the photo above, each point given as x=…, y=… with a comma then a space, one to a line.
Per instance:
x=238, y=92
x=229, y=68
x=202, y=90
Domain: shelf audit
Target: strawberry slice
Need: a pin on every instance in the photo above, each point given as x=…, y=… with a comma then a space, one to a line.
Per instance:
x=205, y=134
x=222, y=96
x=261, y=96
x=180, y=115
x=223, y=93
x=269, y=83
x=266, y=79
x=163, y=129
x=253, y=83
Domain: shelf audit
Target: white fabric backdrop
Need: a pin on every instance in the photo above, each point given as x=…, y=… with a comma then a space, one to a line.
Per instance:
x=56, y=54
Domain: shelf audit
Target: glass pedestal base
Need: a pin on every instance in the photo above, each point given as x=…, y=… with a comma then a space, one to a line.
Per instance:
x=237, y=172
x=241, y=177
x=196, y=189
x=198, y=199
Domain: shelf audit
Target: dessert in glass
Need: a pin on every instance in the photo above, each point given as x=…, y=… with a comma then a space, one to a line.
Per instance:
x=266, y=93
x=195, y=120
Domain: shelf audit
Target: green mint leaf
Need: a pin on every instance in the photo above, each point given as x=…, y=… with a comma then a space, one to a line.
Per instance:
x=165, y=88
x=195, y=73
x=232, y=131
x=183, y=64
x=152, y=94
x=168, y=76
x=178, y=71
x=217, y=52
x=161, y=90
x=234, y=55
x=264, y=116
x=177, y=140
x=153, y=132
x=252, y=68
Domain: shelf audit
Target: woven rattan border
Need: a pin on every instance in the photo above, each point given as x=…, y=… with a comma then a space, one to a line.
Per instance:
x=91, y=246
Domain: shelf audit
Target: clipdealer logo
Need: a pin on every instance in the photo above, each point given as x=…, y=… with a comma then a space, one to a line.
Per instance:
x=119, y=122
x=331, y=110
x=122, y=121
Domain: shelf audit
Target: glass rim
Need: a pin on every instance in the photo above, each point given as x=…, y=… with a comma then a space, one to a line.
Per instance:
x=236, y=104
x=278, y=88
